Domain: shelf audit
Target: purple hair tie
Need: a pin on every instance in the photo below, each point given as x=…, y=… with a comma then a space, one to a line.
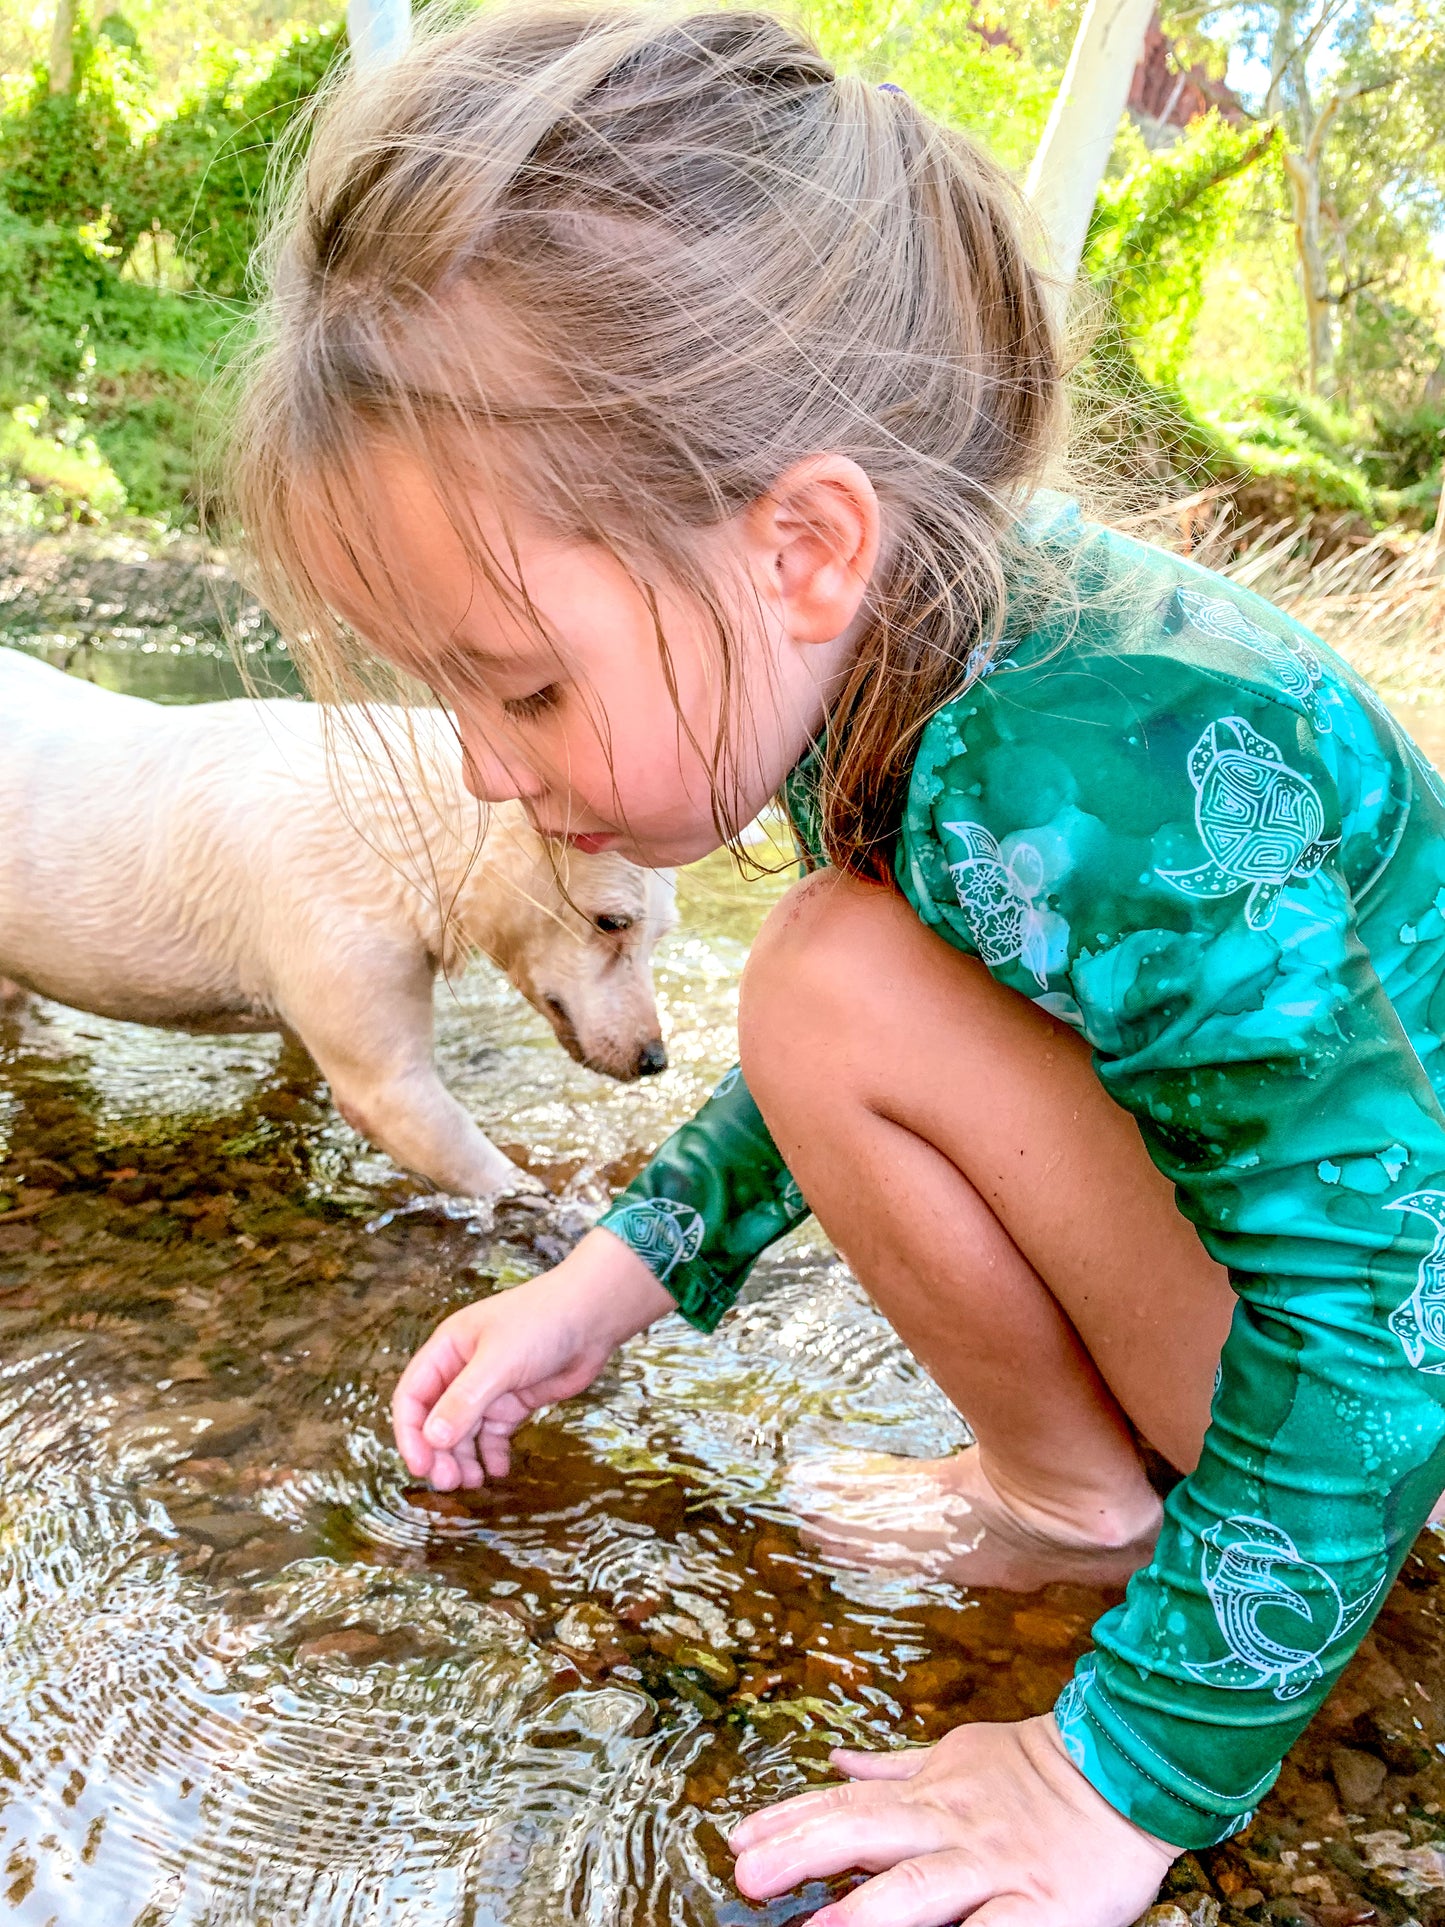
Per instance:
x=889, y=87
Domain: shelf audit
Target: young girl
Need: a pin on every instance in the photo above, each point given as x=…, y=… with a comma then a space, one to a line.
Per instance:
x=674, y=408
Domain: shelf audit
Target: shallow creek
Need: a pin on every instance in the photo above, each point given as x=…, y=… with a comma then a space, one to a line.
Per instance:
x=252, y=1674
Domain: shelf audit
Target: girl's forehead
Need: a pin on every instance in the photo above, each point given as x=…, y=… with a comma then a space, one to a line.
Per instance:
x=396, y=557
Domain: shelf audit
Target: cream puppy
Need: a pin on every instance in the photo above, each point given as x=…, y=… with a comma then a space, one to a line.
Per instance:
x=274, y=866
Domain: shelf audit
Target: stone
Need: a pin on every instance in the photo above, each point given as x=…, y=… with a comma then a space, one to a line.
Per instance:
x=204, y=1471
x=594, y=1713
x=1358, y=1776
x=223, y=1530
x=589, y=1628
x=217, y=1426
x=716, y=1668
x=1199, y=1909
x=1053, y=1632
x=355, y=1644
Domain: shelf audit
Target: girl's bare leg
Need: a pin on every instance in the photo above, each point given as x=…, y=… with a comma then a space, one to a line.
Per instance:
x=1003, y=1214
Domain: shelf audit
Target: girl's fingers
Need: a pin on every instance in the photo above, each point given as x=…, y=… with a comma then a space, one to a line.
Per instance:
x=901, y=1764
x=494, y=1442
x=870, y=1837
x=464, y=1404
x=446, y=1474
x=931, y=1891
x=468, y=1465
x=417, y=1390
x=788, y=1815
x=416, y=1454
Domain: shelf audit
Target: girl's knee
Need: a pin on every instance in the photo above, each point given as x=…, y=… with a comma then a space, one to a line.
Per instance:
x=829, y=950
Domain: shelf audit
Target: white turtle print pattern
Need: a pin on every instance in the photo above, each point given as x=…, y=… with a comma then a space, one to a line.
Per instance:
x=1069, y=1711
x=1258, y=819
x=1298, y=668
x=997, y=896
x=792, y=1199
x=1252, y=1569
x=663, y=1233
x=1419, y=1323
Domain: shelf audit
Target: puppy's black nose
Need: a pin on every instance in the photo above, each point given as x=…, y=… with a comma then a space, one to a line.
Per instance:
x=652, y=1058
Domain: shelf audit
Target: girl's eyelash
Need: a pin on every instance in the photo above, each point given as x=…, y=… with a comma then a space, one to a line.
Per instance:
x=536, y=703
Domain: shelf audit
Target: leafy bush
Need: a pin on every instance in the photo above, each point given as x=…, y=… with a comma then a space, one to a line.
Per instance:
x=202, y=174
x=68, y=158
x=64, y=471
x=1153, y=233
x=109, y=374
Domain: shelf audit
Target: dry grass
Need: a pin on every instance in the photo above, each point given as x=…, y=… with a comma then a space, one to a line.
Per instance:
x=1382, y=606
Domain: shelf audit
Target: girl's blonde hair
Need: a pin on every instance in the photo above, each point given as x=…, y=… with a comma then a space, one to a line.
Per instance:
x=628, y=264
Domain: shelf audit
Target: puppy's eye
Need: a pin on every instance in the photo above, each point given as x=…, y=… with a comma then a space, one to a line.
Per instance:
x=537, y=704
x=612, y=924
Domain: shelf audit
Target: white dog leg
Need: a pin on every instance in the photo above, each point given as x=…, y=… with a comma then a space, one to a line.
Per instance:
x=416, y=1120
x=385, y=1084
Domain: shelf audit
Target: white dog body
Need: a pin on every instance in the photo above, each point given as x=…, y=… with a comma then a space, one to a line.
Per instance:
x=262, y=866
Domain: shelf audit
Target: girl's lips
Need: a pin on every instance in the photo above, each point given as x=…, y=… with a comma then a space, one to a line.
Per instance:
x=590, y=844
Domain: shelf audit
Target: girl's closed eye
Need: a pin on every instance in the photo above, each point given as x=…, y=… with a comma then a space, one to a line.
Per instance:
x=535, y=704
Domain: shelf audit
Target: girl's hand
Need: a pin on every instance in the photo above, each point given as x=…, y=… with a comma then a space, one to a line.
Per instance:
x=995, y=1825
x=488, y=1367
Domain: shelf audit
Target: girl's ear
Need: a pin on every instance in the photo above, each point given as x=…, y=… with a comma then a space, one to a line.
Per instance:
x=813, y=543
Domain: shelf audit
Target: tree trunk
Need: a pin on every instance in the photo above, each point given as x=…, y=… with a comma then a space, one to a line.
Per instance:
x=62, y=48
x=1303, y=173
x=379, y=30
x=1069, y=165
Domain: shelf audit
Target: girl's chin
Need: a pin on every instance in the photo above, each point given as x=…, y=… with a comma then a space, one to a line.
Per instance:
x=666, y=852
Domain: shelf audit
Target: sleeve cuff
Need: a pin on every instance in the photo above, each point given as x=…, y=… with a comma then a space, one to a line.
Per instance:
x=1136, y=1779
x=667, y=1237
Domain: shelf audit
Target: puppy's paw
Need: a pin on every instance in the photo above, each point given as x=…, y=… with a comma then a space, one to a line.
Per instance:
x=520, y=1184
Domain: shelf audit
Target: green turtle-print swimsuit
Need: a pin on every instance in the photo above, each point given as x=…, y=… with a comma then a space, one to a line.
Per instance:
x=1181, y=825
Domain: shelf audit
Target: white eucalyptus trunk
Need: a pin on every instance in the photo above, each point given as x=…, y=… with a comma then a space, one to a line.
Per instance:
x=1064, y=178
x=62, y=48
x=1303, y=174
x=379, y=30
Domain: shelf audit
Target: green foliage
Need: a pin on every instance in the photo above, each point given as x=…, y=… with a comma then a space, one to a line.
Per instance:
x=127, y=362
x=102, y=376
x=67, y=157
x=129, y=210
x=1154, y=232
x=1407, y=448
x=1319, y=477
x=939, y=56
x=204, y=170
x=64, y=472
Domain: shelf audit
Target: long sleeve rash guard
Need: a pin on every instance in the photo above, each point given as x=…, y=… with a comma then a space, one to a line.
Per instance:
x=1179, y=824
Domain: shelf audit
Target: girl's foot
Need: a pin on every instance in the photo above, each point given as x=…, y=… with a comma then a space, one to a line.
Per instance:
x=944, y=1519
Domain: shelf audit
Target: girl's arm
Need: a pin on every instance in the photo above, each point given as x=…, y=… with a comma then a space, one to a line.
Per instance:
x=1166, y=845
x=711, y=1199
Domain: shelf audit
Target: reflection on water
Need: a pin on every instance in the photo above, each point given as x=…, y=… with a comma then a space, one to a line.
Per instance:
x=169, y=669
x=253, y=1675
